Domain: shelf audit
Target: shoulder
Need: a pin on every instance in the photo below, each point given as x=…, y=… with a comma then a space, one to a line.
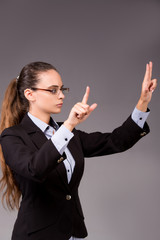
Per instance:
x=14, y=130
x=24, y=127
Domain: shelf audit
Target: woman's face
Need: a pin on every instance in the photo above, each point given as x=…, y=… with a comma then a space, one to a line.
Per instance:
x=46, y=102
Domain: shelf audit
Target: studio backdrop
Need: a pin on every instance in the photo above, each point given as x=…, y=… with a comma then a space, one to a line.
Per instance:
x=104, y=44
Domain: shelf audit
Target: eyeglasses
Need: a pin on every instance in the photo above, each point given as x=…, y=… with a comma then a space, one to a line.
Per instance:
x=55, y=91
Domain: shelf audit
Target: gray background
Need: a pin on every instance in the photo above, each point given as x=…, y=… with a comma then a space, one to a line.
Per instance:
x=103, y=44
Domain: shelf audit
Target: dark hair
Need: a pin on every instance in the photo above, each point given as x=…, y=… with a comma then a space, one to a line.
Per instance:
x=28, y=78
x=14, y=107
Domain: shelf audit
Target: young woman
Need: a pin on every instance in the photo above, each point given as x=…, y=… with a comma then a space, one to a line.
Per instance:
x=43, y=161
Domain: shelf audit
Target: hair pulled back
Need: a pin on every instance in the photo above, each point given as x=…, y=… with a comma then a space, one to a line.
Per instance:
x=14, y=107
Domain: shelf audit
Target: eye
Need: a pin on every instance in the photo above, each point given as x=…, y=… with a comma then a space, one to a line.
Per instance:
x=54, y=90
x=64, y=90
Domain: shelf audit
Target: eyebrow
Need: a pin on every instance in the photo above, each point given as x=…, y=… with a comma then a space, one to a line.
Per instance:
x=55, y=86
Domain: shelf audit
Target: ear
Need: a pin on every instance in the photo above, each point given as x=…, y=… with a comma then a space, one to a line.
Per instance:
x=29, y=94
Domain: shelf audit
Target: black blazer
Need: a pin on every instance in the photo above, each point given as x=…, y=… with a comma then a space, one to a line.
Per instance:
x=50, y=207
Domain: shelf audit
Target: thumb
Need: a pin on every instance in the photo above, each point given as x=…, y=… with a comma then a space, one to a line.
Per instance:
x=153, y=85
x=92, y=107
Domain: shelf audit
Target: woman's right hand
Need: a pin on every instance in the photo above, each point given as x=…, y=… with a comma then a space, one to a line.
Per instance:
x=80, y=112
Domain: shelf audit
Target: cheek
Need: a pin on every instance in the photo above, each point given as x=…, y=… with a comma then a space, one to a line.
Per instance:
x=48, y=105
x=45, y=102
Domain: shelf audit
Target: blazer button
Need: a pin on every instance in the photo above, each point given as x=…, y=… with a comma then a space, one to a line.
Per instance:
x=60, y=160
x=68, y=197
x=143, y=134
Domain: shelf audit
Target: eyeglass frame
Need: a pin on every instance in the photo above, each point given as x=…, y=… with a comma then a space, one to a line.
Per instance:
x=51, y=90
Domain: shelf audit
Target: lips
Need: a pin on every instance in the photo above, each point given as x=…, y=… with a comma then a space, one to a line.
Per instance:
x=59, y=105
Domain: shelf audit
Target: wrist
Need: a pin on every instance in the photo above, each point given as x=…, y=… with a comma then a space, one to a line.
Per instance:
x=142, y=105
x=68, y=125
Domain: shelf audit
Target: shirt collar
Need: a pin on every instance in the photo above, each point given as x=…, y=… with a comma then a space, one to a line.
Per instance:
x=42, y=125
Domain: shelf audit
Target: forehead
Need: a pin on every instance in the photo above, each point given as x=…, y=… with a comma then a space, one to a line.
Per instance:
x=49, y=78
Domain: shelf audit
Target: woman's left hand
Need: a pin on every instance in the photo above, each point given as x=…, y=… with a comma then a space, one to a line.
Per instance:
x=148, y=87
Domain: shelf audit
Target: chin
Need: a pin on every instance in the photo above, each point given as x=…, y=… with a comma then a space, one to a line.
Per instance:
x=56, y=111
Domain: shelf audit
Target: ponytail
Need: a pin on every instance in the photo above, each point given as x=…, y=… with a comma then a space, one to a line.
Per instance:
x=12, y=113
x=14, y=107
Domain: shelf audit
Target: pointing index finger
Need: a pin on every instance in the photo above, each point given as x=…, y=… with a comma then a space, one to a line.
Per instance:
x=148, y=73
x=151, y=66
x=86, y=95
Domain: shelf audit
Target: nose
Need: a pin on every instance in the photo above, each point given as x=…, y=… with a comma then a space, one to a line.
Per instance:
x=61, y=95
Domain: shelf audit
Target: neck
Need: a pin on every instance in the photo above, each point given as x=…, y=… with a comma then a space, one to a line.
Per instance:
x=42, y=116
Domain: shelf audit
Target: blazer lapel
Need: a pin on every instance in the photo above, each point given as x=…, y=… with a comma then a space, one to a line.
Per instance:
x=34, y=132
x=38, y=138
x=77, y=173
x=62, y=173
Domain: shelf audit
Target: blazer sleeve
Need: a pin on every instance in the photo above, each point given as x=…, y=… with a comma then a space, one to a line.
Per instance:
x=121, y=139
x=25, y=159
